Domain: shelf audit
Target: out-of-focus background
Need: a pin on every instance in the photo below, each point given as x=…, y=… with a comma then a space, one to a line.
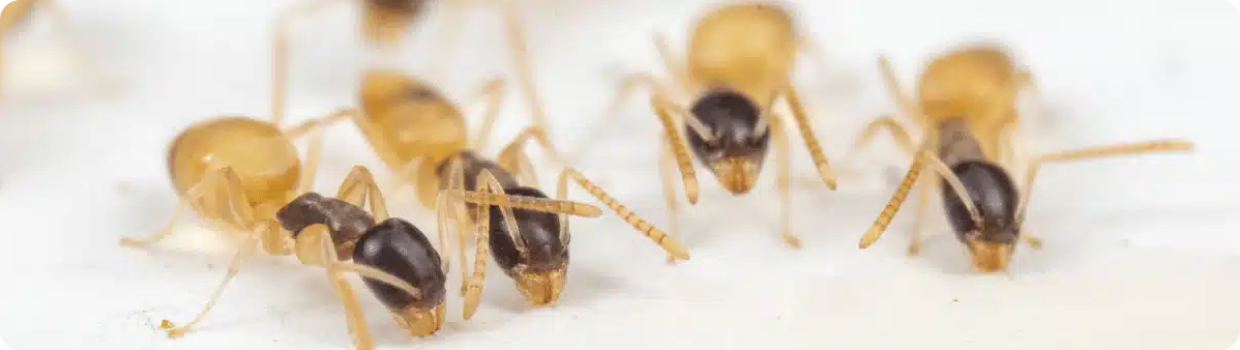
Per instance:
x=1141, y=253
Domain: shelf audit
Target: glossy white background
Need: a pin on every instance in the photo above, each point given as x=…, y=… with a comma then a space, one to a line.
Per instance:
x=1141, y=253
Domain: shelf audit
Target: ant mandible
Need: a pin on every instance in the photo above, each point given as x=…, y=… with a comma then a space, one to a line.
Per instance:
x=740, y=60
x=967, y=107
x=242, y=174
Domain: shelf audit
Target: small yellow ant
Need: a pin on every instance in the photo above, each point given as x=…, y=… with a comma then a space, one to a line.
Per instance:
x=967, y=107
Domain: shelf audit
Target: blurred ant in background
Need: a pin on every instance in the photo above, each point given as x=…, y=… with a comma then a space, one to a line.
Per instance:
x=15, y=16
x=385, y=23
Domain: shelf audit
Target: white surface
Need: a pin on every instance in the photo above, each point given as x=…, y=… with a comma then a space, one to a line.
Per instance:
x=1141, y=253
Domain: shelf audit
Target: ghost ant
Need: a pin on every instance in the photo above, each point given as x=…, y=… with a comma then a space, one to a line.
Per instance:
x=16, y=13
x=966, y=105
x=421, y=135
x=384, y=23
x=241, y=174
x=740, y=60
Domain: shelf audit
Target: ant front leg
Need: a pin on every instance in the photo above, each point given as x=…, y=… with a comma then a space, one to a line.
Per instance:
x=674, y=66
x=471, y=288
x=928, y=186
x=673, y=248
x=885, y=122
x=324, y=255
x=668, y=177
x=782, y=176
x=492, y=91
x=512, y=157
x=359, y=188
x=444, y=205
x=897, y=92
x=807, y=133
x=525, y=72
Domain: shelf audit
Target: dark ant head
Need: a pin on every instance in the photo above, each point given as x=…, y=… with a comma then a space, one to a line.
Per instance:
x=990, y=188
x=735, y=149
x=397, y=247
x=541, y=270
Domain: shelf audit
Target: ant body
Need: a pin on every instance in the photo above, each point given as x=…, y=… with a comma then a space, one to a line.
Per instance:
x=384, y=23
x=966, y=104
x=422, y=135
x=740, y=60
x=242, y=174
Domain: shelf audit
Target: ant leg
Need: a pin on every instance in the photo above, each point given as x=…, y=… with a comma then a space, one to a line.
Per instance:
x=324, y=254
x=279, y=54
x=631, y=83
x=472, y=292
x=355, y=318
x=167, y=230
x=675, y=67
x=897, y=92
x=780, y=137
x=811, y=141
x=515, y=30
x=513, y=158
x=313, y=125
x=207, y=190
x=674, y=248
x=1124, y=149
x=456, y=182
x=311, y=167
x=247, y=249
x=359, y=188
x=885, y=122
x=69, y=36
x=241, y=215
x=492, y=91
x=666, y=163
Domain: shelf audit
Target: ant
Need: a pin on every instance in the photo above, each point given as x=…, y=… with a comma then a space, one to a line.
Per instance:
x=966, y=105
x=422, y=135
x=384, y=23
x=242, y=174
x=740, y=59
x=16, y=13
